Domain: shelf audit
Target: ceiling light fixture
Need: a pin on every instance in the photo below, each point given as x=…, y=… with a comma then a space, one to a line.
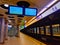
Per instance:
x=25, y=21
x=6, y=5
x=47, y=7
x=9, y=20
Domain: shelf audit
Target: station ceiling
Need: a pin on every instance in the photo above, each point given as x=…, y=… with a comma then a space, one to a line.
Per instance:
x=39, y=4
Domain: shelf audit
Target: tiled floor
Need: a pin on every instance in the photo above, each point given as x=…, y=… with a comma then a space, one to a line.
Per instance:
x=22, y=40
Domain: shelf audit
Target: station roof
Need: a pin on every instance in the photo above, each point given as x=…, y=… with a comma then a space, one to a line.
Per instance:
x=39, y=4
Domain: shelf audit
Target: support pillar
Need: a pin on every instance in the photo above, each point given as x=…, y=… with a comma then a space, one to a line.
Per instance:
x=18, y=32
x=1, y=30
x=6, y=30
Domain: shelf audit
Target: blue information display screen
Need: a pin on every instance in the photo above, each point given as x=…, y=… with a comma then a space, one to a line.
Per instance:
x=30, y=11
x=15, y=10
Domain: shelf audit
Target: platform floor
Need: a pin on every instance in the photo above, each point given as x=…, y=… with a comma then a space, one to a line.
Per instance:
x=22, y=40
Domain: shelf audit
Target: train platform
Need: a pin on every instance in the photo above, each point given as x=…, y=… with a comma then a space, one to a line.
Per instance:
x=22, y=40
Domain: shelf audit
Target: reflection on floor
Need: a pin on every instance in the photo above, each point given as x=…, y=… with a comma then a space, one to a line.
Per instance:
x=22, y=40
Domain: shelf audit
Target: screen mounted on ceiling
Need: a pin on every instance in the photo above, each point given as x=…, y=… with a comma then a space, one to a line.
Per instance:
x=30, y=11
x=15, y=10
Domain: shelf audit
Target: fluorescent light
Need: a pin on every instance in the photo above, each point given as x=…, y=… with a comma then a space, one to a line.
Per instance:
x=25, y=21
x=6, y=5
x=9, y=20
x=47, y=7
x=54, y=1
x=9, y=25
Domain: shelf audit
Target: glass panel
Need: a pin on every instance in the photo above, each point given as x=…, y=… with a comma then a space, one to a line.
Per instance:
x=47, y=30
x=30, y=30
x=56, y=30
x=34, y=30
x=37, y=30
x=42, y=30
